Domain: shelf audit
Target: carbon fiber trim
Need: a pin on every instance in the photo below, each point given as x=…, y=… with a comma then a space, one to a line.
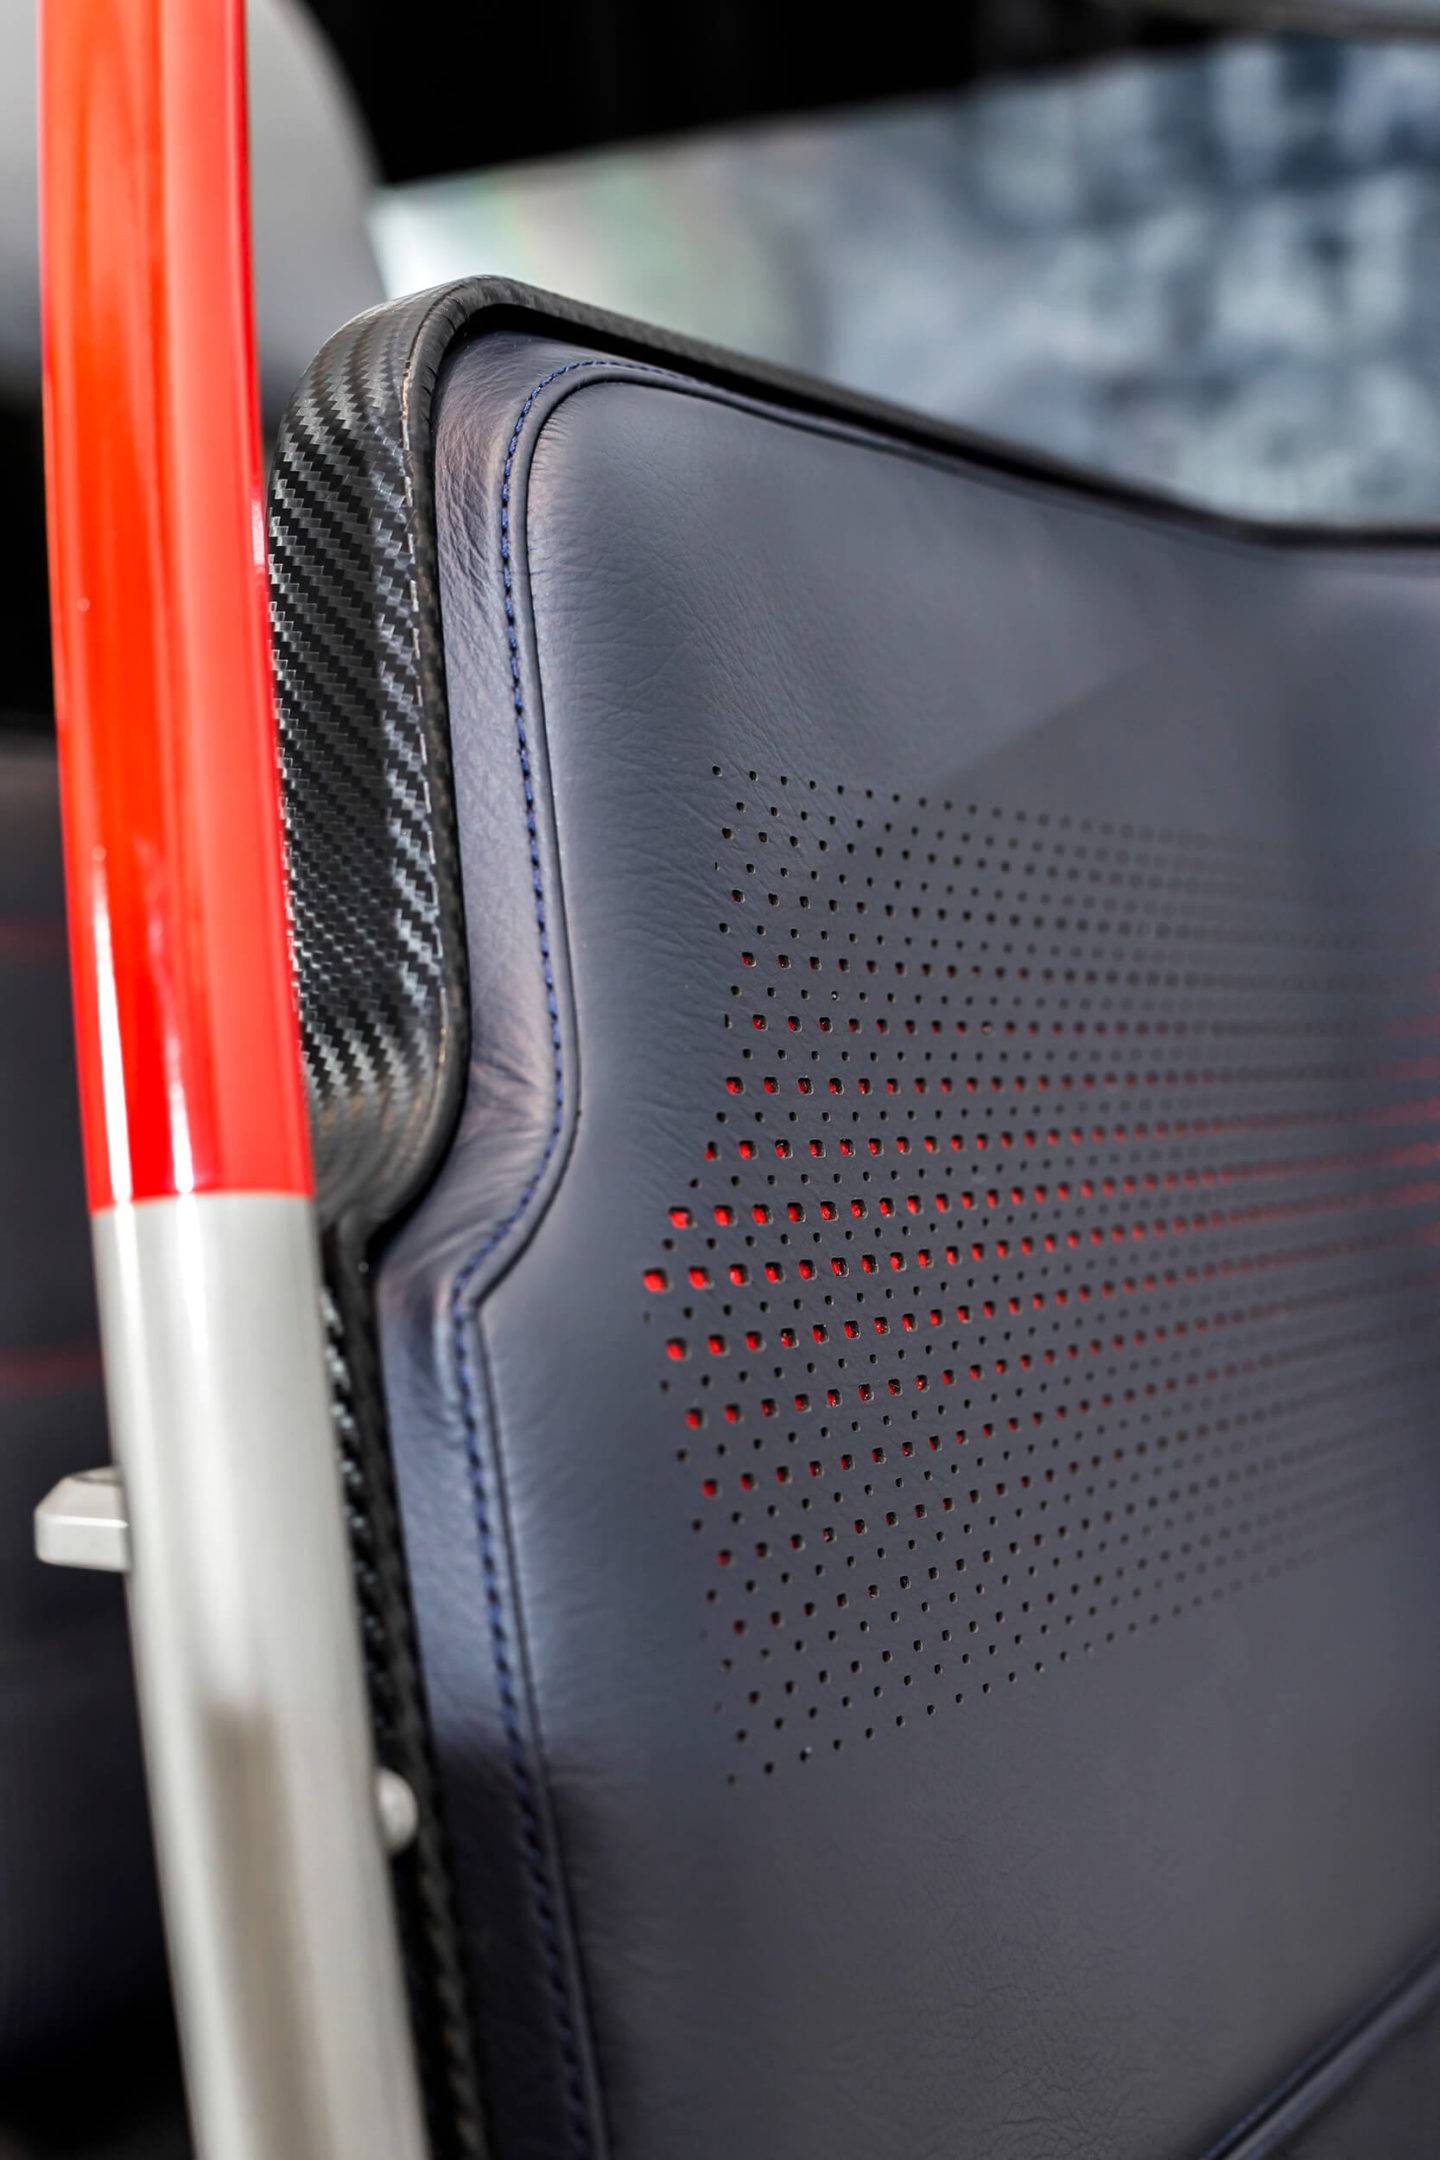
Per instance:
x=361, y=703
x=379, y=958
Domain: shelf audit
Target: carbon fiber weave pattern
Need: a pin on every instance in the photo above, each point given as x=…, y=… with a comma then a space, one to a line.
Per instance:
x=379, y=959
x=361, y=707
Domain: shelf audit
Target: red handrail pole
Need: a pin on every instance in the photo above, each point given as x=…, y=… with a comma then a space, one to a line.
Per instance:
x=258, y=1744
x=188, y=1051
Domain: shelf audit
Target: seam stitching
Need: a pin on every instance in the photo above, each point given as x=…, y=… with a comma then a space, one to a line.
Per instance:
x=1294, y=2101
x=500, y=1633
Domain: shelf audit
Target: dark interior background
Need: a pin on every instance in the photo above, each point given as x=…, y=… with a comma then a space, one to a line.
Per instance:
x=603, y=71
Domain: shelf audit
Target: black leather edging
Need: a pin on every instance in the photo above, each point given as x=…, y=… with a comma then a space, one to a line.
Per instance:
x=1336, y=2063
x=437, y=1981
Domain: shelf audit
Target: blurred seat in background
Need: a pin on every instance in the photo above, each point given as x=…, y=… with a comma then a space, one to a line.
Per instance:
x=1211, y=271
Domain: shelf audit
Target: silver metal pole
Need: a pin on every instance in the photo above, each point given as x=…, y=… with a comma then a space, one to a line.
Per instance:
x=247, y=1649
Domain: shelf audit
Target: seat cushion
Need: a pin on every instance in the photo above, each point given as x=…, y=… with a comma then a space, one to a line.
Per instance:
x=912, y=1369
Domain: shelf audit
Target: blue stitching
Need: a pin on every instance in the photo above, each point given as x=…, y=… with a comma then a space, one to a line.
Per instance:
x=499, y=1637
x=1292, y=2101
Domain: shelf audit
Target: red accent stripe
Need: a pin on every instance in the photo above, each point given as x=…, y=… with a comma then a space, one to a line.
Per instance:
x=26, y=939
x=185, y=1020
x=56, y=1366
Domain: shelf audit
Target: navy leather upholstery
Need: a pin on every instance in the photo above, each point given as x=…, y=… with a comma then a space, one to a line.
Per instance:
x=913, y=1387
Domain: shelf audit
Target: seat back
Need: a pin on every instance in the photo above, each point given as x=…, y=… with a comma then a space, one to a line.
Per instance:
x=870, y=1009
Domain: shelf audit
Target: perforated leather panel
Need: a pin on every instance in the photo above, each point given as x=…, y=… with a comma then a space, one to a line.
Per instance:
x=1061, y=1251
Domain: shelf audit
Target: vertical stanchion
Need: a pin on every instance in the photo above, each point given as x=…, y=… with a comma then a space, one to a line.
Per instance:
x=247, y=1650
